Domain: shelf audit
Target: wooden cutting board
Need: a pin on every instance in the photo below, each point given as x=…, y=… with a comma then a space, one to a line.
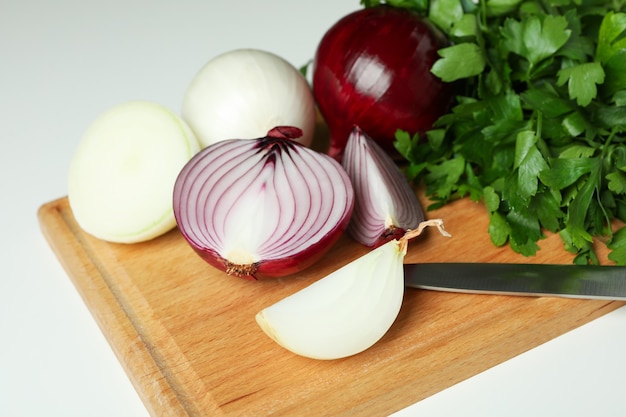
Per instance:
x=185, y=333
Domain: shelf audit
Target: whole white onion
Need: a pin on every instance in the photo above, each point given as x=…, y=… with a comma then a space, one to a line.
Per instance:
x=243, y=94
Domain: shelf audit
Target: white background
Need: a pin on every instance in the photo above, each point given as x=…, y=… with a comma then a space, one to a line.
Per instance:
x=64, y=62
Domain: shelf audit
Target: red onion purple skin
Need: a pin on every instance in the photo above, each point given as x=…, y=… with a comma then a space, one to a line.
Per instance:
x=396, y=49
x=282, y=267
x=272, y=268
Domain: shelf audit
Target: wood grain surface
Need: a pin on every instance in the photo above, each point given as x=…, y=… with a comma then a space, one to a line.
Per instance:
x=185, y=333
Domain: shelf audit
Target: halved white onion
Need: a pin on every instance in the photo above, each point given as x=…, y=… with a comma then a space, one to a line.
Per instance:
x=123, y=171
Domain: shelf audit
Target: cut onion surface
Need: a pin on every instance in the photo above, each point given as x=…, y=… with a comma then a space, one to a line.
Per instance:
x=347, y=311
x=260, y=208
x=123, y=171
x=386, y=205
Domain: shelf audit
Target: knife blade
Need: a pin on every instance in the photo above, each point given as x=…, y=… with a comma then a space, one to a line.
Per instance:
x=571, y=281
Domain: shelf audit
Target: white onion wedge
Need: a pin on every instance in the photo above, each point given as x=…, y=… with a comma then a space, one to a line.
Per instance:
x=347, y=311
x=122, y=174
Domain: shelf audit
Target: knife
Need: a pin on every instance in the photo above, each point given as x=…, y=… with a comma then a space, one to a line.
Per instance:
x=572, y=281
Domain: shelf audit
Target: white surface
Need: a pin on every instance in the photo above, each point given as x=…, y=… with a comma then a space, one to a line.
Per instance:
x=64, y=62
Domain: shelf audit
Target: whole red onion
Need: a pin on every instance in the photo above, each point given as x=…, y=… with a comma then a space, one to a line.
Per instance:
x=372, y=69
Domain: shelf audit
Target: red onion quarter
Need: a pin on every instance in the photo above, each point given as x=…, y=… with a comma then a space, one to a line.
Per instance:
x=262, y=208
x=372, y=69
x=386, y=205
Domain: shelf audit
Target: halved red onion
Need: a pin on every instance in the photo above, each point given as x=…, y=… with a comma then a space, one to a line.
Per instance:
x=259, y=208
x=385, y=203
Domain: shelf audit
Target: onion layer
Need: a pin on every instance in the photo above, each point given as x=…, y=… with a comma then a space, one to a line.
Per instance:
x=266, y=207
x=372, y=69
x=385, y=203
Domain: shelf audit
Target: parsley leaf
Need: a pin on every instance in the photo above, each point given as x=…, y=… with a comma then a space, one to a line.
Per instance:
x=617, y=182
x=615, y=75
x=565, y=171
x=618, y=245
x=529, y=163
x=417, y=5
x=534, y=38
x=610, y=36
x=499, y=229
x=445, y=13
x=459, y=61
x=445, y=176
x=581, y=81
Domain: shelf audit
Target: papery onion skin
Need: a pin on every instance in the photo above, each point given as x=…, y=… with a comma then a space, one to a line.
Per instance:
x=386, y=205
x=262, y=208
x=372, y=69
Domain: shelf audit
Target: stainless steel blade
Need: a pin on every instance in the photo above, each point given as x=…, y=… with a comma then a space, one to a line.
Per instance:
x=573, y=281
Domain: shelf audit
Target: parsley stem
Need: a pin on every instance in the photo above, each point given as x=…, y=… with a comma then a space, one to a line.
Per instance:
x=606, y=150
x=483, y=14
x=541, y=143
x=539, y=123
x=609, y=139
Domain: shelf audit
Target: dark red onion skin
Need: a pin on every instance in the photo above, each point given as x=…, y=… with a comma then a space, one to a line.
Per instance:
x=272, y=269
x=397, y=48
x=279, y=137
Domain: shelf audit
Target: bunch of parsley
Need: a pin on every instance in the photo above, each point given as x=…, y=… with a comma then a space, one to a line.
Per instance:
x=538, y=131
